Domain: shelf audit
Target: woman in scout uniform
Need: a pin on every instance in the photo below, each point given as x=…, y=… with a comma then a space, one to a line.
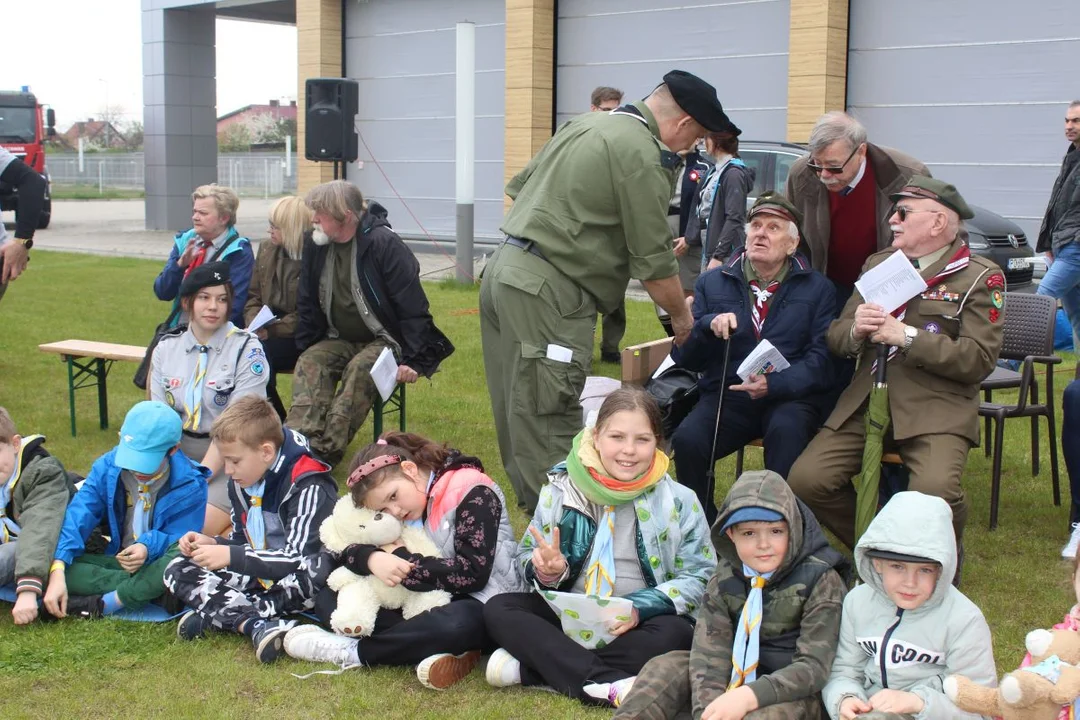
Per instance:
x=612, y=523
x=200, y=368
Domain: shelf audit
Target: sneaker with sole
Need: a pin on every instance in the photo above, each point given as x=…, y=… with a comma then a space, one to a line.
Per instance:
x=503, y=669
x=192, y=626
x=611, y=693
x=1069, y=551
x=269, y=640
x=85, y=607
x=312, y=643
x=439, y=672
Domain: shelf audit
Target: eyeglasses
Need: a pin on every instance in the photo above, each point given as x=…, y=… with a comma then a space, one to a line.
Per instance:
x=902, y=212
x=818, y=169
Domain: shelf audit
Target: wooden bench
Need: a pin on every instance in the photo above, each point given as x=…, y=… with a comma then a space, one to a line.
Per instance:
x=89, y=362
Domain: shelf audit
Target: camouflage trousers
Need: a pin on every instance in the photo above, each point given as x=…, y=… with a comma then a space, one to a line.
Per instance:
x=662, y=691
x=227, y=599
x=332, y=394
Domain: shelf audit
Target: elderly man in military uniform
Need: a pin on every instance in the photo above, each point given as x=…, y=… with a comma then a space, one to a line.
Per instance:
x=589, y=213
x=942, y=344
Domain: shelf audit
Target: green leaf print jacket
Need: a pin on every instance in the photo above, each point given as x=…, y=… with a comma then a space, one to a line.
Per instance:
x=674, y=548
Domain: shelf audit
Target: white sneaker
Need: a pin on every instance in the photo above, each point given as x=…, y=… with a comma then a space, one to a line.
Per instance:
x=503, y=669
x=440, y=671
x=1069, y=551
x=312, y=643
x=612, y=693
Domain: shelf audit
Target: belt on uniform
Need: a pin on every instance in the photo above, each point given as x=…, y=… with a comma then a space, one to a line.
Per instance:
x=527, y=245
x=197, y=436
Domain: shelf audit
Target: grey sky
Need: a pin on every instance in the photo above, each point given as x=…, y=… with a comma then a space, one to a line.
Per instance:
x=74, y=53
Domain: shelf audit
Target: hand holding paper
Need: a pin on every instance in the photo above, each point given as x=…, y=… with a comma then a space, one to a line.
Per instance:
x=588, y=620
x=384, y=373
x=891, y=283
x=265, y=316
x=762, y=360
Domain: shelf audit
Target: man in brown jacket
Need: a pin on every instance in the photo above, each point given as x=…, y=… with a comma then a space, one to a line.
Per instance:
x=943, y=343
x=842, y=189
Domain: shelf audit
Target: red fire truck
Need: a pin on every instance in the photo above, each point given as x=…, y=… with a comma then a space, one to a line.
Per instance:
x=24, y=125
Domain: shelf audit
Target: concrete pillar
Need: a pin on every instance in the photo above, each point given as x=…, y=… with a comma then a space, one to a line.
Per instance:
x=530, y=80
x=180, y=113
x=318, y=54
x=817, y=63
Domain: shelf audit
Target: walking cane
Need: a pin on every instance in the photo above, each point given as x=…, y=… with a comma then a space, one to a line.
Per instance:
x=710, y=477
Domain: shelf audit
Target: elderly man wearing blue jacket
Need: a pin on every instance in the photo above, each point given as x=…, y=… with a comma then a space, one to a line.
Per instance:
x=767, y=291
x=150, y=494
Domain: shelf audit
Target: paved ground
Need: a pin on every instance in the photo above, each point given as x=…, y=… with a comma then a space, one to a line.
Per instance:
x=117, y=227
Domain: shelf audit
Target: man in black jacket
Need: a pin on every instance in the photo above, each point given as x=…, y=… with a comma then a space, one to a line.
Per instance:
x=359, y=293
x=15, y=252
x=1059, y=236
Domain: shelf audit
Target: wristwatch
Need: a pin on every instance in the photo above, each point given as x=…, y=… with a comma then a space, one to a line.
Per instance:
x=909, y=337
x=25, y=242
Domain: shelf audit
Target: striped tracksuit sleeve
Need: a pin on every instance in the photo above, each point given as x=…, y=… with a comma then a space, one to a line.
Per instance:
x=301, y=515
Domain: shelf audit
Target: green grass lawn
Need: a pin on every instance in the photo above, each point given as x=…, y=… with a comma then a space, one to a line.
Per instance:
x=92, y=192
x=112, y=668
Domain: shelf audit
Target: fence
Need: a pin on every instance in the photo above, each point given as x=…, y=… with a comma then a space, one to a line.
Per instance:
x=249, y=174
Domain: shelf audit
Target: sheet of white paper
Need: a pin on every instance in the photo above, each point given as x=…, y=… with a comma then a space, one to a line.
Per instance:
x=892, y=283
x=558, y=353
x=585, y=619
x=762, y=360
x=384, y=373
x=668, y=362
x=264, y=316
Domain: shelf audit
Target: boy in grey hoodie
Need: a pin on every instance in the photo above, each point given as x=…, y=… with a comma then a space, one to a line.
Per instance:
x=906, y=628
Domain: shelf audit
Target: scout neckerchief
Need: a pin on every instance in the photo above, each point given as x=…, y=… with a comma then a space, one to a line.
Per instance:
x=959, y=261
x=760, y=310
x=744, y=655
x=140, y=520
x=9, y=530
x=200, y=255
x=588, y=475
x=193, y=394
x=255, y=525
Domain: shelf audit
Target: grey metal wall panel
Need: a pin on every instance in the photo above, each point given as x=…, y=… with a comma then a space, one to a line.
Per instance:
x=402, y=53
x=740, y=46
x=974, y=88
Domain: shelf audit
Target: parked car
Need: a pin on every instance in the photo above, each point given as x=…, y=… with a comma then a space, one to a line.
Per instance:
x=989, y=234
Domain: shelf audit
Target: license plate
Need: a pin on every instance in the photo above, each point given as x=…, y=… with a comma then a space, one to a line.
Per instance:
x=1019, y=263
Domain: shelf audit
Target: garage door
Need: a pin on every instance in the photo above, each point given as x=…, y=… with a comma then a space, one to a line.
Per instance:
x=402, y=52
x=976, y=89
x=741, y=47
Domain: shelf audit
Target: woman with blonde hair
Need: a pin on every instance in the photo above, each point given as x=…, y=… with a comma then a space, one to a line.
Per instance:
x=274, y=283
x=212, y=237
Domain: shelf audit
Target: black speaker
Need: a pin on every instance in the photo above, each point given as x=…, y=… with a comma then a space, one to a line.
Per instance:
x=332, y=104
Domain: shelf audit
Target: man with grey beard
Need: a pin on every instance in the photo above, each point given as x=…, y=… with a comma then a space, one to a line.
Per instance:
x=842, y=190
x=359, y=293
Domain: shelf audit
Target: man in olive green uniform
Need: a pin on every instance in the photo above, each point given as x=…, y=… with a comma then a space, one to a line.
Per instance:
x=943, y=343
x=589, y=213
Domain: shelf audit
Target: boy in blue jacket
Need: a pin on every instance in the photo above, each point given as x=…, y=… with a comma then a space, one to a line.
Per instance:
x=280, y=495
x=151, y=494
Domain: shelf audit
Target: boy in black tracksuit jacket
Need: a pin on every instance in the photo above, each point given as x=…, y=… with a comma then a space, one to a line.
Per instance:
x=280, y=495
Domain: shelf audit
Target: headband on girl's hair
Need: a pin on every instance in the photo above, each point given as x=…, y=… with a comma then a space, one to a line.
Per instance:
x=371, y=466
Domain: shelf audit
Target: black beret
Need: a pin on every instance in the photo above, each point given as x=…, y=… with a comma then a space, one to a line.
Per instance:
x=698, y=99
x=206, y=275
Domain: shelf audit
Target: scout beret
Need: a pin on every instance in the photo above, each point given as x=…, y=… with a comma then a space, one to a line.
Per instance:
x=206, y=275
x=698, y=99
x=937, y=190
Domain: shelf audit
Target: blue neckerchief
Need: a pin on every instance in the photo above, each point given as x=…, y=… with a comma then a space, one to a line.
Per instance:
x=140, y=520
x=744, y=655
x=193, y=396
x=9, y=529
x=600, y=568
x=419, y=522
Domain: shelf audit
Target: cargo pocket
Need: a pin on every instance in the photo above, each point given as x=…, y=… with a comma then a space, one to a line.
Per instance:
x=552, y=383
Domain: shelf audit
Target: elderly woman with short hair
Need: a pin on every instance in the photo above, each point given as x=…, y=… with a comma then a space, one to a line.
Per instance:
x=767, y=291
x=274, y=283
x=213, y=237
x=359, y=292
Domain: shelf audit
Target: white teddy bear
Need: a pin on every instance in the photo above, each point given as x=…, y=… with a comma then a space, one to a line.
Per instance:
x=360, y=597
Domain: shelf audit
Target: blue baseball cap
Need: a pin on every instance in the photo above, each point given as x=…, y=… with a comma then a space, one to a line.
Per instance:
x=751, y=514
x=150, y=430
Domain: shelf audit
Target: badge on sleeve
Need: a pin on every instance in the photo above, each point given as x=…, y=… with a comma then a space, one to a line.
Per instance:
x=221, y=399
x=994, y=315
x=255, y=353
x=257, y=368
x=996, y=281
x=169, y=399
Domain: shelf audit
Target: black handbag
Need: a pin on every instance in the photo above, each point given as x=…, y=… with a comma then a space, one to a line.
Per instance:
x=144, y=367
x=676, y=392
